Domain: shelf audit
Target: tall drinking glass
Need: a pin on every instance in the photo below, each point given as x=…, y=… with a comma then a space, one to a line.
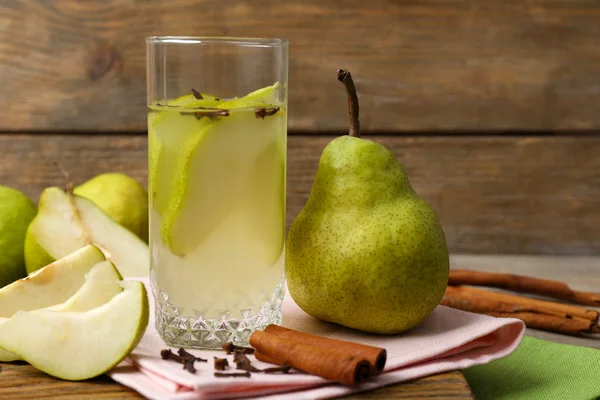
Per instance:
x=217, y=131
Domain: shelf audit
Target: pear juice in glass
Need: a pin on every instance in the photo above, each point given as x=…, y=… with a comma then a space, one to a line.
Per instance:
x=217, y=130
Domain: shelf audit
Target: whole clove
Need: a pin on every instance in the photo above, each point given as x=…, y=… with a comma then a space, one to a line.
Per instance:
x=188, y=362
x=167, y=354
x=197, y=94
x=233, y=374
x=229, y=348
x=242, y=362
x=210, y=113
x=285, y=369
x=187, y=355
x=221, y=364
x=188, y=365
x=265, y=112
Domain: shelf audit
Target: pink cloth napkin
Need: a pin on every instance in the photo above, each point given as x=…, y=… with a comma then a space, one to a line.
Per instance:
x=447, y=340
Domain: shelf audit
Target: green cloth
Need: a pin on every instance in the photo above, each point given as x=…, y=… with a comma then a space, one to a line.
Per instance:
x=539, y=369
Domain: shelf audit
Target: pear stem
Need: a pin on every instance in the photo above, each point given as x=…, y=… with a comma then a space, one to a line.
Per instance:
x=69, y=187
x=344, y=76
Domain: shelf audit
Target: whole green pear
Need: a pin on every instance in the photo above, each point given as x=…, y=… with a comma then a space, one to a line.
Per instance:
x=366, y=251
x=122, y=198
x=16, y=212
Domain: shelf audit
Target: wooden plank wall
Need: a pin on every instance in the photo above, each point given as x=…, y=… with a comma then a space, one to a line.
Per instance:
x=491, y=105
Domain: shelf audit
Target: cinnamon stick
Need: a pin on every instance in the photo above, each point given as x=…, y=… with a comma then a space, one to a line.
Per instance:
x=523, y=284
x=479, y=298
x=484, y=303
x=266, y=358
x=551, y=323
x=335, y=364
x=535, y=313
x=376, y=356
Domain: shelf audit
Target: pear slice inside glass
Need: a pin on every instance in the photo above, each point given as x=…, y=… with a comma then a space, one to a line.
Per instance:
x=79, y=345
x=174, y=138
x=219, y=159
x=168, y=130
x=247, y=240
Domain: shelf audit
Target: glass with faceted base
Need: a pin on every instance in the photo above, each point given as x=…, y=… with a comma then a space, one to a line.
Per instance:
x=217, y=132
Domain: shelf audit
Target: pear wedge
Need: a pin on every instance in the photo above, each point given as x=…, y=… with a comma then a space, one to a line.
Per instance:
x=51, y=285
x=127, y=252
x=79, y=345
x=66, y=223
x=101, y=285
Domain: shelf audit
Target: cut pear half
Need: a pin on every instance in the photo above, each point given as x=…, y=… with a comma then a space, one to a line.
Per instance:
x=101, y=285
x=66, y=223
x=79, y=345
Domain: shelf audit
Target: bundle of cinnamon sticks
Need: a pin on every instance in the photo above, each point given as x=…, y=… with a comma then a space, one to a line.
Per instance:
x=540, y=314
x=341, y=361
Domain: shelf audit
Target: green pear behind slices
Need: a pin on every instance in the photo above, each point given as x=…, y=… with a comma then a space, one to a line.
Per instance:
x=79, y=345
x=101, y=284
x=66, y=223
x=219, y=157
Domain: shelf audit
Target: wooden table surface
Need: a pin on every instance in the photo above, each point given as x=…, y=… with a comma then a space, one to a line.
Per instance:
x=21, y=381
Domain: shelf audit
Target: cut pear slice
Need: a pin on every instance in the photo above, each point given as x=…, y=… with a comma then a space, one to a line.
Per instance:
x=267, y=94
x=168, y=132
x=189, y=100
x=79, y=345
x=218, y=159
x=65, y=223
x=101, y=285
x=264, y=203
x=170, y=127
x=127, y=252
x=51, y=285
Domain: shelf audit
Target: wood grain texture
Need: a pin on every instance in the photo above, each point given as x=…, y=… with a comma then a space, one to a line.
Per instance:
x=22, y=381
x=449, y=386
x=19, y=380
x=418, y=65
x=534, y=195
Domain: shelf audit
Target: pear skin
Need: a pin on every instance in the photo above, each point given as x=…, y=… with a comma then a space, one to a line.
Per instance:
x=366, y=251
